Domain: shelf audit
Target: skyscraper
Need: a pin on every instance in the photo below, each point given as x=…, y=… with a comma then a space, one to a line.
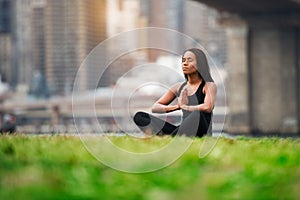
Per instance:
x=5, y=16
x=201, y=24
x=164, y=14
x=72, y=29
x=6, y=41
x=122, y=16
x=50, y=40
x=24, y=35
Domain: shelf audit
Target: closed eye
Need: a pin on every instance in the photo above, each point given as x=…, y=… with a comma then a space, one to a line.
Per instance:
x=187, y=59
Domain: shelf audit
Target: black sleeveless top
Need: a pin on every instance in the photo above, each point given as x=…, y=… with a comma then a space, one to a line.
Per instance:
x=195, y=99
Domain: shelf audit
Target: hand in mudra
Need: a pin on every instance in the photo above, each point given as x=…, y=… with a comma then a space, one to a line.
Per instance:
x=183, y=97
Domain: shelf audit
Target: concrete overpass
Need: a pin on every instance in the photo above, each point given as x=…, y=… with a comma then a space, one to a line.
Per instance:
x=264, y=65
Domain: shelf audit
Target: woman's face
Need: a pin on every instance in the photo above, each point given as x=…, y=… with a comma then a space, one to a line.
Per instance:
x=189, y=63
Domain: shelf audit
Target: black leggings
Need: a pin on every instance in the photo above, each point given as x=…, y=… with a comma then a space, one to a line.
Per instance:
x=195, y=124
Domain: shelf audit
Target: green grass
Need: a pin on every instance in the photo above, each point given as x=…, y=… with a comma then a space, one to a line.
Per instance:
x=59, y=167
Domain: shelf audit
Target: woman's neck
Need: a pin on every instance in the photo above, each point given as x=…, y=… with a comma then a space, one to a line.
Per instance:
x=194, y=79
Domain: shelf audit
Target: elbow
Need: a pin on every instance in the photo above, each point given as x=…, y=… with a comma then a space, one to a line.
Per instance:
x=154, y=108
x=208, y=108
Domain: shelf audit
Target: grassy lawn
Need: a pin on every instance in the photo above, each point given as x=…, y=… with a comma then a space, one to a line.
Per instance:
x=59, y=167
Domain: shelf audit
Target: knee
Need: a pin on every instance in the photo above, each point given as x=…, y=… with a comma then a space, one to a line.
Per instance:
x=139, y=117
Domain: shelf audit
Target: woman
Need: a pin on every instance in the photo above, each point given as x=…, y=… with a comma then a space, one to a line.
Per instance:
x=196, y=98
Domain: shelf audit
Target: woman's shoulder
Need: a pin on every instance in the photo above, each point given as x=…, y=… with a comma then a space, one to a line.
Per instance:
x=177, y=86
x=210, y=86
x=210, y=83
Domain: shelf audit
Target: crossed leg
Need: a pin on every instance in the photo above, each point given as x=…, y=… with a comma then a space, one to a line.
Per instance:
x=147, y=122
x=194, y=124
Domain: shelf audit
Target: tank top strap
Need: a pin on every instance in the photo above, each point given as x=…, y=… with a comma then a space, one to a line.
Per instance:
x=202, y=83
x=200, y=88
x=181, y=87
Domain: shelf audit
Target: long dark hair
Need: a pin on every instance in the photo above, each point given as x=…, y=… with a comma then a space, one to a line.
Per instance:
x=202, y=65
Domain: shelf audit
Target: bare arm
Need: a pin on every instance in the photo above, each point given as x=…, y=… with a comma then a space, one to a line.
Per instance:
x=210, y=91
x=162, y=104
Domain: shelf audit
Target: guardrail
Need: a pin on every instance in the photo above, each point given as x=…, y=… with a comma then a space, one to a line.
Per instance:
x=57, y=116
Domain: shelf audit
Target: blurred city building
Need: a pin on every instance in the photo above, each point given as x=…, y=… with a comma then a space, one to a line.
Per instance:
x=6, y=41
x=5, y=16
x=122, y=16
x=193, y=19
x=26, y=47
x=201, y=23
x=50, y=39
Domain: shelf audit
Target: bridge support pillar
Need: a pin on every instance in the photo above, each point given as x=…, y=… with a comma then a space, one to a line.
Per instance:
x=273, y=80
x=238, y=119
x=263, y=87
